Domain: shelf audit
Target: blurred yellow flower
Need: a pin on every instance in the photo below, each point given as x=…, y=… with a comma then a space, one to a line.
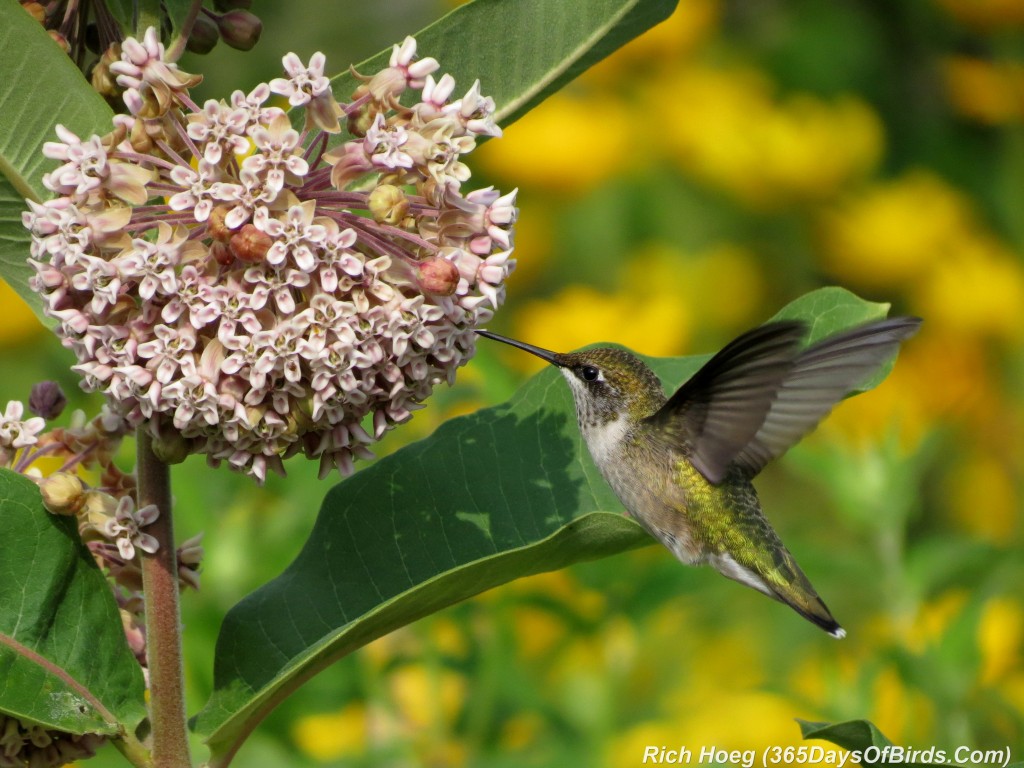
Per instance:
x=987, y=14
x=537, y=630
x=979, y=289
x=990, y=92
x=904, y=715
x=427, y=697
x=740, y=719
x=934, y=618
x=521, y=730
x=727, y=128
x=626, y=749
x=19, y=322
x=982, y=497
x=1000, y=639
x=534, y=240
x=887, y=234
x=567, y=144
x=653, y=323
x=332, y=735
x=663, y=293
x=692, y=23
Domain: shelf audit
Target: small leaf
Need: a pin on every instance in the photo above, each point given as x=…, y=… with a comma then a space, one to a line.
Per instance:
x=64, y=660
x=852, y=735
x=41, y=87
x=502, y=493
x=523, y=50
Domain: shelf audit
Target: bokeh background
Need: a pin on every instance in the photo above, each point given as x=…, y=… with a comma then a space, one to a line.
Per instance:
x=733, y=158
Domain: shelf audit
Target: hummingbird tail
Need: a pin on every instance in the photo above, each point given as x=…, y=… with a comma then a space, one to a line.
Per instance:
x=823, y=618
x=798, y=594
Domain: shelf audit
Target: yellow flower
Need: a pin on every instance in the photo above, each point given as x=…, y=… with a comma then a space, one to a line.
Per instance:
x=979, y=289
x=990, y=92
x=427, y=697
x=692, y=23
x=902, y=714
x=982, y=497
x=521, y=731
x=570, y=142
x=19, y=322
x=652, y=323
x=740, y=719
x=332, y=735
x=727, y=128
x=538, y=630
x=1000, y=639
x=888, y=234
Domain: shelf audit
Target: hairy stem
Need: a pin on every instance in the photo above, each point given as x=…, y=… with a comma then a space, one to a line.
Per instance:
x=163, y=621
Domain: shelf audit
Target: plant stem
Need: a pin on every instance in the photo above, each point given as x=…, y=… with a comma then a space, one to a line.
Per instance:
x=177, y=46
x=163, y=622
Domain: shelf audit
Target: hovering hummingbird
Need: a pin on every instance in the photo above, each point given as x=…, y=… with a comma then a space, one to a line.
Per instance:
x=682, y=466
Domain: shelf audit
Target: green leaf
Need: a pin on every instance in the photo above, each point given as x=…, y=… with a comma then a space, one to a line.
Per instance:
x=523, y=50
x=64, y=660
x=873, y=748
x=41, y=87
x=852, y=735
x=506, y=492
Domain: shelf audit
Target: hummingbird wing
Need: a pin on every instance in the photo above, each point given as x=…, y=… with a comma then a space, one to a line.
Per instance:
x=722, y=407
x=760, y=395
x=820, y=377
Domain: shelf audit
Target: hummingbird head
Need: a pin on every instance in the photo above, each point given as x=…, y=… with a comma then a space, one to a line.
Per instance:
x=606, y=383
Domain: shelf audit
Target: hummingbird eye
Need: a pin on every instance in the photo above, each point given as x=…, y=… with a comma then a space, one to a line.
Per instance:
x=590, y=373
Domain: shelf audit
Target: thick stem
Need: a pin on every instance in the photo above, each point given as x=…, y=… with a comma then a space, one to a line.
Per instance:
x=163, y=622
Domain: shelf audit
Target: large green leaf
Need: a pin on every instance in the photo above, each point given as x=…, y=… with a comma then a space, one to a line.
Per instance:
x=502, y=493
x=524, y=50
x=64, y=660
x=40, y=88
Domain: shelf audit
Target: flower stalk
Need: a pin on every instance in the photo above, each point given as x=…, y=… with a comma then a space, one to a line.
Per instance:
x=163, y=615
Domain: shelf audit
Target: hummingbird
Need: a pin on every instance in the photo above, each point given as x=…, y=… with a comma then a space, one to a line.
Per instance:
x=683, y=466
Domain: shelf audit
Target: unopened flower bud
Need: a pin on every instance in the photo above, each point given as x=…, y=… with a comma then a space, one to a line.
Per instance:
x=204, y=36
x=171, y=447
x=215, y=225
x=63, y=493
x=134, y=633
x=240, y=29
x=47, y=400
x=438, y=276
x=388, y=204
x=250, y=244
x=60, y=40
x=36, y=11
x=221, y=253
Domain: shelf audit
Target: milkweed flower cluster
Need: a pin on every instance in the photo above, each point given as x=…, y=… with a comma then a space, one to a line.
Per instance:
x=251, y=294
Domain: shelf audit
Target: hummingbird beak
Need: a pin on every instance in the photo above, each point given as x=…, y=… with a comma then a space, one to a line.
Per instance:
x=543, y=354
